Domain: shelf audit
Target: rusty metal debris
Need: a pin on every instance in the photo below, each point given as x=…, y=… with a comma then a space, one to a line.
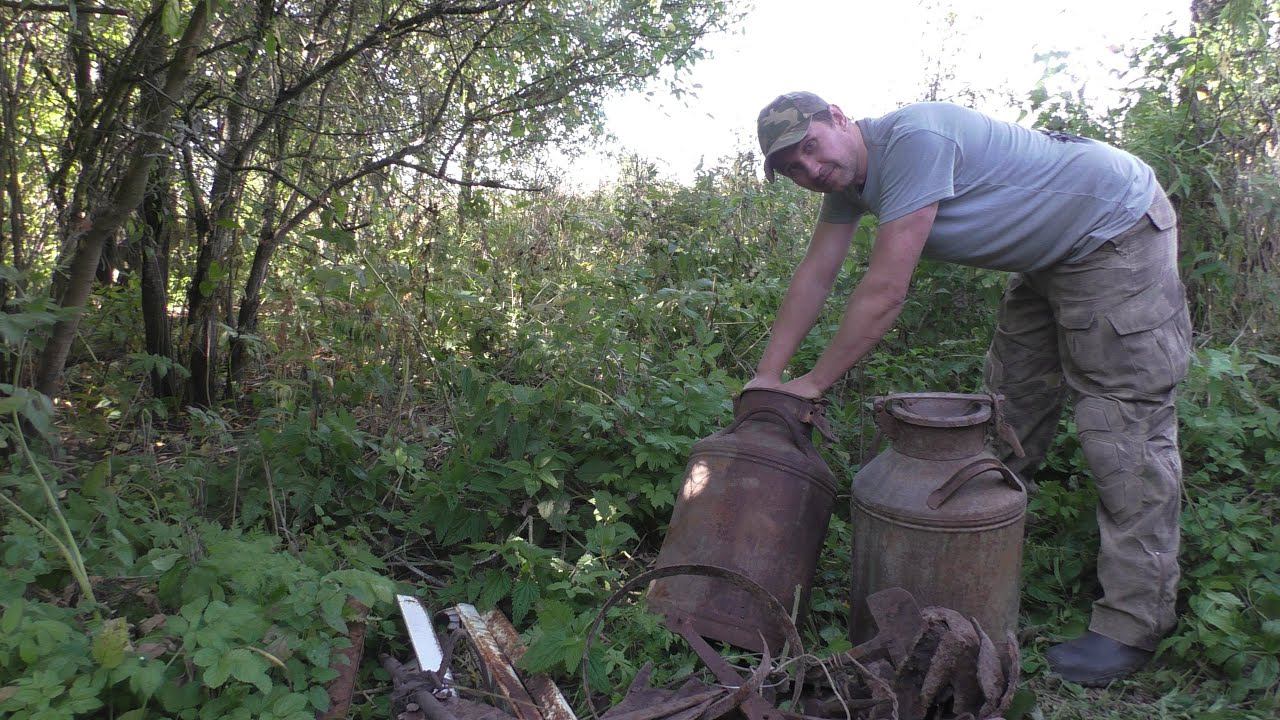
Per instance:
x=346, y=663
x=778, y=621
x=922, y=664
x=937, y=665
x=426, y=644
x=429, y=693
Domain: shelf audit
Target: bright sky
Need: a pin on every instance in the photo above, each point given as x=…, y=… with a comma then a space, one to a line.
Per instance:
x=870, y=58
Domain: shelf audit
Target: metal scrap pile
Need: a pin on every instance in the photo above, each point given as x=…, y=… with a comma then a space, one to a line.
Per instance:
x=930, y=664
x=425, y=689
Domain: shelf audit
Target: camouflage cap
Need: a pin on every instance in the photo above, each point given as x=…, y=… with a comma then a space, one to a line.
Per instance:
x=784, y=122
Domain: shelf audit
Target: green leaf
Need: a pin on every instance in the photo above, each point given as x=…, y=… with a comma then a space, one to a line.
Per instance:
x=148, y=678
x=247, y=666
x=206, y=657
x=289, y=704
x=14, y=327
x=523, y=597
x=217, y=674
x=1265, y=673
x=110, y=643
x=166, y=561
x=1268, y=358
x=96, y=479
x=517, y=439
x=331, y=611
x=169, y=19
x=12, y=616
x=318, y=697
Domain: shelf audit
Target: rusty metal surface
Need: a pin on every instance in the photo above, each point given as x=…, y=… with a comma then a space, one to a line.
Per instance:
x=777, y=617
x=544, y=692
x=745, y=695
x=643, y=702
x=953, y=667
x=426, y=645
x=413, y=697
x=990, y=675
x=506, y=682
x=897, y=616
x=937, y=514
x=756, y=499
x=346, y=663
x=951, y=671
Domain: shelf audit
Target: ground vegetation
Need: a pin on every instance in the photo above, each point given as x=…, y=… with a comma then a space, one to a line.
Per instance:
x=294, y=318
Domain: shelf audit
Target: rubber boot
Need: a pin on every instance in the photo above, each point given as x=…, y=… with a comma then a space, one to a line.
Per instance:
x=1094, y=660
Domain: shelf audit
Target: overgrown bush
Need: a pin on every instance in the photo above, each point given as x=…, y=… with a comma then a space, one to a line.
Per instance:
x=501, y=416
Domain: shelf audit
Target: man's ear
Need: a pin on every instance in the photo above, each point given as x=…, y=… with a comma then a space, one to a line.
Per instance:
x=838, y=116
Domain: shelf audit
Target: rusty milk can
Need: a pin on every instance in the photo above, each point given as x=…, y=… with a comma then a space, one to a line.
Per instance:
x=756, y=499
x=937, y=514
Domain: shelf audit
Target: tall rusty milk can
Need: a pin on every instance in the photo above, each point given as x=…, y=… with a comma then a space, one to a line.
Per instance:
x=937, y=514
x=756, y=499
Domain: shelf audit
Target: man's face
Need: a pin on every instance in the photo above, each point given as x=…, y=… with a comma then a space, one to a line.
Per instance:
x=826, y=160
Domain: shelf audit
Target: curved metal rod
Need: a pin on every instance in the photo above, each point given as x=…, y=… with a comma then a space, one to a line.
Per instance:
x=797, y=434
x=715, y=571
x=969, y=472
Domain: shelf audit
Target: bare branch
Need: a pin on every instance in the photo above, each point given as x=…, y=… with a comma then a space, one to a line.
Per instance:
x=467, y=183
x=63, y=7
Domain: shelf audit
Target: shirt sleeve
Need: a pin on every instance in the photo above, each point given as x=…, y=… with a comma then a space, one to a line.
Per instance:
x=919, y=168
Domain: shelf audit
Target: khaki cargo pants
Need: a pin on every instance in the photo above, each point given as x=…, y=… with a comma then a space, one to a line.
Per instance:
x=1112, y=332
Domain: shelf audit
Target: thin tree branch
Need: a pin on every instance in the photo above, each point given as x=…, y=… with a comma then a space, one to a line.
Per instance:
x=64, y=7
x=466, y=183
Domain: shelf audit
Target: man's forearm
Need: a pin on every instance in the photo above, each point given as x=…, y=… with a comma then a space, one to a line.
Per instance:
x=871, y=311
x=800, y=309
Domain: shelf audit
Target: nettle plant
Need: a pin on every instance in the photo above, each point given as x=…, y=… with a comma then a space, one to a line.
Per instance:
x=133, y=605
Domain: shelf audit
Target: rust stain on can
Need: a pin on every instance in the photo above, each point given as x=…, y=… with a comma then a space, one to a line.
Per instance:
x=756, y=500
x=936, y=513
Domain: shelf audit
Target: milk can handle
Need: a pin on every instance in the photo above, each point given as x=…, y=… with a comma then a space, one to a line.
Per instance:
x=886, y=425
x=797, y=435
x=1004, y=430
x=969, y=472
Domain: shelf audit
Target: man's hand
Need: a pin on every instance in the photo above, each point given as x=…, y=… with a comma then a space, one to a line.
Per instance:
x=767, y=382
x=805, y=386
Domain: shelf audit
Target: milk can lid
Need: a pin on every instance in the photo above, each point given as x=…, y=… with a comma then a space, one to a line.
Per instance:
x=946, y=410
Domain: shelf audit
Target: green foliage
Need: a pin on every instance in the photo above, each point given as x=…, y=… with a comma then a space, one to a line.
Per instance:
x=205, y=622
x=509, y=430
x=1201, y=112
x=1230, y=591
x=496, y=410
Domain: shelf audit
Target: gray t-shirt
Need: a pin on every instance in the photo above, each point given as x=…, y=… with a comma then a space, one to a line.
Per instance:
x=1009, y=198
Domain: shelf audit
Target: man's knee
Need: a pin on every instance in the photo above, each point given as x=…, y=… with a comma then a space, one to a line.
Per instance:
x=1132, y=453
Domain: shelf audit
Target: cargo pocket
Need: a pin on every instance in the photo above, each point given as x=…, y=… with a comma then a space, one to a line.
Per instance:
x=1151, y=346
x=1086, y=349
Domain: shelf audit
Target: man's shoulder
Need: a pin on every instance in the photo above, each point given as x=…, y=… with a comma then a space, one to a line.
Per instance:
x=942, y=118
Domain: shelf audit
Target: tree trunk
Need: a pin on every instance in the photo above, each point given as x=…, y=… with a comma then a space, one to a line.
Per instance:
x=268, y=240
x=224, y=199
x=12, y=177
x=155, y=110
x=1205, y=11
x=11, y=213
x=154, y=246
